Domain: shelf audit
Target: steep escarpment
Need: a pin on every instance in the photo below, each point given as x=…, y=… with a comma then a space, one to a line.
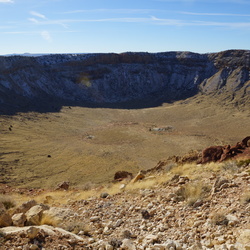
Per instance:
x=126, y=77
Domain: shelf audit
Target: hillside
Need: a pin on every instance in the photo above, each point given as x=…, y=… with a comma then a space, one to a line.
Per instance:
x=133, y=80
x=86, y=145
x=65, y=118
x=186, y=207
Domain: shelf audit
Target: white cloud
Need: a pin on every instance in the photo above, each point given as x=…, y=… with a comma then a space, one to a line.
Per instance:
x=152, y=20
x=46, y=35
x=120, y=11
x=173, y=22
x=33, y=20
x=45, y=20
x=6, y=1
x=34, y=13
x=213, y=14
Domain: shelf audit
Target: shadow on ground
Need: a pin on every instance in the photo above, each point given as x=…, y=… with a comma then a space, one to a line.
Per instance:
x=13, y=103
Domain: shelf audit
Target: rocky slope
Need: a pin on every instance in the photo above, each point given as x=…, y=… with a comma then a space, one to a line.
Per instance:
x=206, y=210
x=116, y=78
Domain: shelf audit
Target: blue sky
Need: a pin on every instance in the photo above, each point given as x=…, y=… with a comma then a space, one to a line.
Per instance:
x=87, y=26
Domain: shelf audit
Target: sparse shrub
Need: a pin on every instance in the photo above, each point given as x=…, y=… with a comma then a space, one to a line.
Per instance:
x=7, y=201
x=219, y=219
x=192, y=192
x=243, y=163
x=230, y=166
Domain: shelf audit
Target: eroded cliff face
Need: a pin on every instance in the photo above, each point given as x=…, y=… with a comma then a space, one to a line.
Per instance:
x=114, y=78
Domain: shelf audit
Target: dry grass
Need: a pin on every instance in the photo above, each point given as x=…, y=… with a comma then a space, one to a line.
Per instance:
x=64, y=197
x=49, y=220
x=230, y=167
x=219, y=218
x=144, y=184
x=195, y=191
x=190, y=192
x=121, y=141
x=8, y=201
x=243, y=163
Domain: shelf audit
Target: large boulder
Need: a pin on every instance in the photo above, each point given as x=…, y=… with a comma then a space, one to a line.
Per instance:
x=63, y=186
x=19, y=219
x=34, y=214
x=54, y=215
x=213, y=153
x=121, y=175
x=32, y=231
x=25, y=206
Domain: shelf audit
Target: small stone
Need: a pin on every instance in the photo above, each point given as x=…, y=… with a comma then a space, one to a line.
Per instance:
x=91, y=240
x=128, y=245
x=126, y=234
x=198, y=203
x=221, y=240
x=106, y=230
x=231, y=247
x=118, y=223
x=32, y=232
x=104, y=195
x=232, y=220
x=198, y=223
x=159, y=247
x=170, y=244
x=34, y=247
x=109, y=247
x=183, y=180
x=94, y=218
x=171, y=195
x=145, y=214
x=208, y=243
x=122, y=186
x=150, y=238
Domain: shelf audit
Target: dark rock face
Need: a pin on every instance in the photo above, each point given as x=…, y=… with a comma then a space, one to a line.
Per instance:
x=115, y=78
x=121, y=175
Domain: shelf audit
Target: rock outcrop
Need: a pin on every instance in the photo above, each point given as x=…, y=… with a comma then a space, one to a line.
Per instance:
x=222, y=153
x=116, y=78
